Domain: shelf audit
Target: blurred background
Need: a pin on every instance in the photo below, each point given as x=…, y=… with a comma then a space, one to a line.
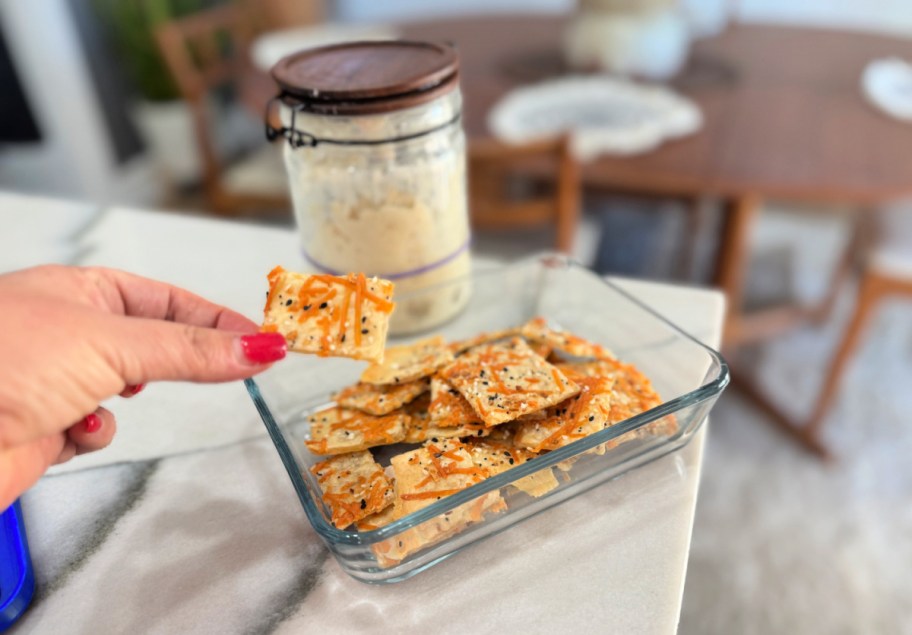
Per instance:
x=786, y=190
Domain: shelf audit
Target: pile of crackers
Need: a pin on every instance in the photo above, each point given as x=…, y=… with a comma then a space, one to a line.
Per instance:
x=472, y=409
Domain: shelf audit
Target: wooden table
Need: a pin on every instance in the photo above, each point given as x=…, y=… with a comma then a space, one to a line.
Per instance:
x=784, y=119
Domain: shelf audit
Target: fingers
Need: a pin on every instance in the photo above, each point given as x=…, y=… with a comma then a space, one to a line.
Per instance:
x=160, y=350
x=142, y=297
x=94, y=432
x=131, y=391
x=22, y=465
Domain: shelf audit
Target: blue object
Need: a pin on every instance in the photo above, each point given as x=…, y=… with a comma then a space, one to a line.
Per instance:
x=17, y=582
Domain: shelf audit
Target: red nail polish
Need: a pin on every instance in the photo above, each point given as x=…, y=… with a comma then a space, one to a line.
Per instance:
x=262, y=348
x=92, y=423
x=129, y=391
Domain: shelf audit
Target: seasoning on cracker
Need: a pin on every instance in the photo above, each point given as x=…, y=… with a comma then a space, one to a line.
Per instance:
x=381, y=400
x=354, y=487
x=331, y=316
x=505, y=381
x=408, y=363
x=341, y=430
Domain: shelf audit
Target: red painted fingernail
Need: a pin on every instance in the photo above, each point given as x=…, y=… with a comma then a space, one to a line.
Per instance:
x=92, y=423
x=129, y=391
x=262, y=348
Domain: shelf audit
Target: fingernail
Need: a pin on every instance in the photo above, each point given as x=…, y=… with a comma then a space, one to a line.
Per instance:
x=92, y=423
x=129, y=391
x=262, y=348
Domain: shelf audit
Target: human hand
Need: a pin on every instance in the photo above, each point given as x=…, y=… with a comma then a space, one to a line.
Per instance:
x=72, y=337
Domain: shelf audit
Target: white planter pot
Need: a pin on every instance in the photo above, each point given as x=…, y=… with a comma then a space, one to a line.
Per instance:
x=651, y=45
x=167, y=128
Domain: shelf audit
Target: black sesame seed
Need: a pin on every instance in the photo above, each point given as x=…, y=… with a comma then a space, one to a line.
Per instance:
x=433, y=439
x=363, y=331
x=342, y=339
x=288, y=302
x=323, y=305
x=306, y=307
x=363, y=504
x=511, y=461
x=363, y=319
x=592, y=418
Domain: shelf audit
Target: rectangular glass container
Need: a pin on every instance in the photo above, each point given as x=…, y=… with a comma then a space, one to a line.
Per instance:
x=687, y=375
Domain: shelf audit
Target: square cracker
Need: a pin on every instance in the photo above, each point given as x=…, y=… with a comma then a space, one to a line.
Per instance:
x=381, y=400
x=354, y=487
x=408, y=363
x=462, y=346
x=448, y=408
x=424, y=476
x=421, y=426
x=332, y=316
x=341, y=430
x=505, y=381
x=499, y=456
x=538, y=332
x=586, y=413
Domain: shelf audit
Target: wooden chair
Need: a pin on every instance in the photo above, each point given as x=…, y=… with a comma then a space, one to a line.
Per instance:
x=209, y=50
x=504, y=192
x=887, y=273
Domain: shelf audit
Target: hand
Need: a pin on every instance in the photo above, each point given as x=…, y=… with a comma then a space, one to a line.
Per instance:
x=72, y=337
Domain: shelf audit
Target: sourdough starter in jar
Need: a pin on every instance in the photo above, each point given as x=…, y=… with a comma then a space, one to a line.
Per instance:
x=377, y=170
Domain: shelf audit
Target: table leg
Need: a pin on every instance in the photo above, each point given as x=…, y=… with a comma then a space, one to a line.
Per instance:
x=733, y=252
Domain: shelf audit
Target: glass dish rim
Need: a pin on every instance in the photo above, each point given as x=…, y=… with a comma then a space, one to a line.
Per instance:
x=704, y=392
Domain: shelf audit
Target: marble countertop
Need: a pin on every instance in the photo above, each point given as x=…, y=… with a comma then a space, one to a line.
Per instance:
x=188, y=522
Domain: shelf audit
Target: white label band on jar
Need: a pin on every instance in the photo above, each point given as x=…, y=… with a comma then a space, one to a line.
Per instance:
x=400, y=275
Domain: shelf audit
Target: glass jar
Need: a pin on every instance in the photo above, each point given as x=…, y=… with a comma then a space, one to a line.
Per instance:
x=378, y=183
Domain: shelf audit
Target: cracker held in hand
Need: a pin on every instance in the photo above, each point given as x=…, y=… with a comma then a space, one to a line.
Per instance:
x=341, y=430
x=408, y=363
x=332, y=316
x=505, y=381
x=354, y=487
x=381, y=400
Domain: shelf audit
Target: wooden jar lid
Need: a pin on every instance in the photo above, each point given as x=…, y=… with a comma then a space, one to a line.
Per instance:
x=367, y=77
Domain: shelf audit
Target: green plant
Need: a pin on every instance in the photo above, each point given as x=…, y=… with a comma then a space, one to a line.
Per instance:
x=130, y=24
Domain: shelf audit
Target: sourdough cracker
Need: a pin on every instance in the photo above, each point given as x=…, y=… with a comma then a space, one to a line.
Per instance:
x=331, y=316
x=448, y=408
x=586, y=413
x=537, y=331
x=340, y=430
x=354, y=487
x=505, y=381
x=497, y=457
x=381, y=400
x=462, y=346
x=410, y=362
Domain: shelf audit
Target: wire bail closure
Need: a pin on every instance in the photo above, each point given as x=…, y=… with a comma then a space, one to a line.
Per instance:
x=300, y=139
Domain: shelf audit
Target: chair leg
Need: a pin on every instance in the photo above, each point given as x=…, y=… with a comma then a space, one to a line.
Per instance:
x=568, y=199
x=873, y=288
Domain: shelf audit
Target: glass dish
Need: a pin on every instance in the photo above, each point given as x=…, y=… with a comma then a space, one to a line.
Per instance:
x=688, y=376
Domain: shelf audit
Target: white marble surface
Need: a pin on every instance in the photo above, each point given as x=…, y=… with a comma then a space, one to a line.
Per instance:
x=210, y=537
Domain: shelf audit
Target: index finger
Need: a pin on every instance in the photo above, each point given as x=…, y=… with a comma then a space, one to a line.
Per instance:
x=136, y=296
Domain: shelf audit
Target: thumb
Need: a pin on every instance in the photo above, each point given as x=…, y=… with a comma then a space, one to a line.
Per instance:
x=160, y=350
